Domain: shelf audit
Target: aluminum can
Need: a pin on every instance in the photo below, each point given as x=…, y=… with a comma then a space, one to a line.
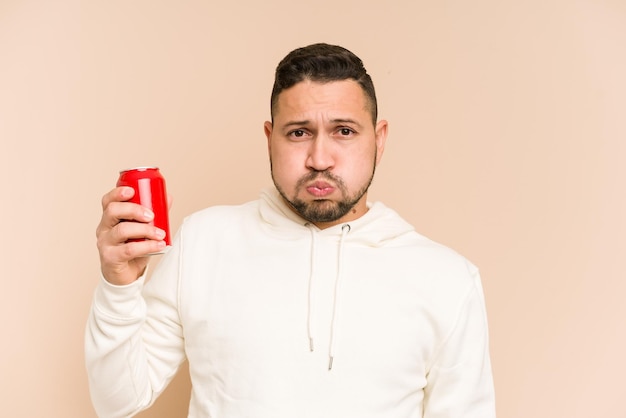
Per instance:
x=150, y=192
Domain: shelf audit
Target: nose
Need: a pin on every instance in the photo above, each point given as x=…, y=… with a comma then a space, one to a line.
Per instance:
x=320, y=156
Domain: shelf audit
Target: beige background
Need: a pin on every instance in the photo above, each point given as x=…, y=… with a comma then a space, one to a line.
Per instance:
x=507, y=143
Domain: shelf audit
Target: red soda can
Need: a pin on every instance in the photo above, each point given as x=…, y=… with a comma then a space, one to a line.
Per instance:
x=150, y=193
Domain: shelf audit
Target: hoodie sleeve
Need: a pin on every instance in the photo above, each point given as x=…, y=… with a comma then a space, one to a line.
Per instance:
x=459, y=382
x=134, y=341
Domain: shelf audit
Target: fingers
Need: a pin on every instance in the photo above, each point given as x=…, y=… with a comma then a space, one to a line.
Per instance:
x=116, y=208
x=115, y=256
x=125, y=236
x=116, y=212
x=123, y=221
x=123, y=261
x=115, y=230
x=119, y=194
x=121, y=247
x=125, y=231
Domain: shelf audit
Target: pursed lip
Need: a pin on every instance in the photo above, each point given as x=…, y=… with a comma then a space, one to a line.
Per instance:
x=320, y=188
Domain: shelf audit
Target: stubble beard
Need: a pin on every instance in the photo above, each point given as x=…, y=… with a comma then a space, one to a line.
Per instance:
x=323, y=210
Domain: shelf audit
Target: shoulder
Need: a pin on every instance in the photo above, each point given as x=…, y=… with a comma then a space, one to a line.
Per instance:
x=218, y=219
x=440, y=255
x=437, y=264
x=408, y=248
x=221, y=213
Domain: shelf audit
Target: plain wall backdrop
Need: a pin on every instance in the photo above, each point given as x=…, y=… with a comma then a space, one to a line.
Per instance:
x=507, y=143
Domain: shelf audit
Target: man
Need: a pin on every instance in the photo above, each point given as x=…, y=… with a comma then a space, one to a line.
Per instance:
x=309, y=302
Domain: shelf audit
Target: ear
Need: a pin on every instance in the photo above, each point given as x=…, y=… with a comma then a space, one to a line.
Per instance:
x=381, y=139
x=267, y=127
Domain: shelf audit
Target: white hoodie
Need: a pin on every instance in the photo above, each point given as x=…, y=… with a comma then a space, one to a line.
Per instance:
x=280, y=319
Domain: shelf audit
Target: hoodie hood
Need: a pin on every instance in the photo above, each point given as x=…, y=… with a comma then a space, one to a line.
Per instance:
x=379, y=226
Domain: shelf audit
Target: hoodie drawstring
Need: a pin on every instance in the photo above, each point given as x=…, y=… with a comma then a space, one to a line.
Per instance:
x=311, y=317
x=334, y=325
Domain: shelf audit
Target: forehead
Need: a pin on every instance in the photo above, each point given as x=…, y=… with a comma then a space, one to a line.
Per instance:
x=311, y=97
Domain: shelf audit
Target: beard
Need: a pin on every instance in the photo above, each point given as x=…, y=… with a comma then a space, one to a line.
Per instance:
x=324, y=210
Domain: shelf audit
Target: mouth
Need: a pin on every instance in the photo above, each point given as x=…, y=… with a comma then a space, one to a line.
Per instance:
x=320, y=189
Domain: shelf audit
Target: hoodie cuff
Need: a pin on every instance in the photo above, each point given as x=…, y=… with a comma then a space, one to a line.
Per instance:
x=121, y=302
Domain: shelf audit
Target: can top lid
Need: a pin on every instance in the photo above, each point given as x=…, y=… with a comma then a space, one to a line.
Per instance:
x=141, y=168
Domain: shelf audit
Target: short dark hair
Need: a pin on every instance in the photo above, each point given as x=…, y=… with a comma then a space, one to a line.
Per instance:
x=322, y=63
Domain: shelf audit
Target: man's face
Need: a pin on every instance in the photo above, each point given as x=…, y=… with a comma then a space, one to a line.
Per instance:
x=323, y=149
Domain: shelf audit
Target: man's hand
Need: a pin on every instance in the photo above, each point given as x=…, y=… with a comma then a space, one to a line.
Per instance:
x=123, y=262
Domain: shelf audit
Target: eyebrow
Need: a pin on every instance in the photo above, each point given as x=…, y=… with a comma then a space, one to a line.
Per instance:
x=296, y=123
x=335, y=121
x=347, y=122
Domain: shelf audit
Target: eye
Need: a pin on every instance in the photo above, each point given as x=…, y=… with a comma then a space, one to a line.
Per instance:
x=345, y=132
x=298, y=134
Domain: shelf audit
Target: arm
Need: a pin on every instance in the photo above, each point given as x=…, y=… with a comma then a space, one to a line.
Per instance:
x=133, y=340
x=460, y=383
